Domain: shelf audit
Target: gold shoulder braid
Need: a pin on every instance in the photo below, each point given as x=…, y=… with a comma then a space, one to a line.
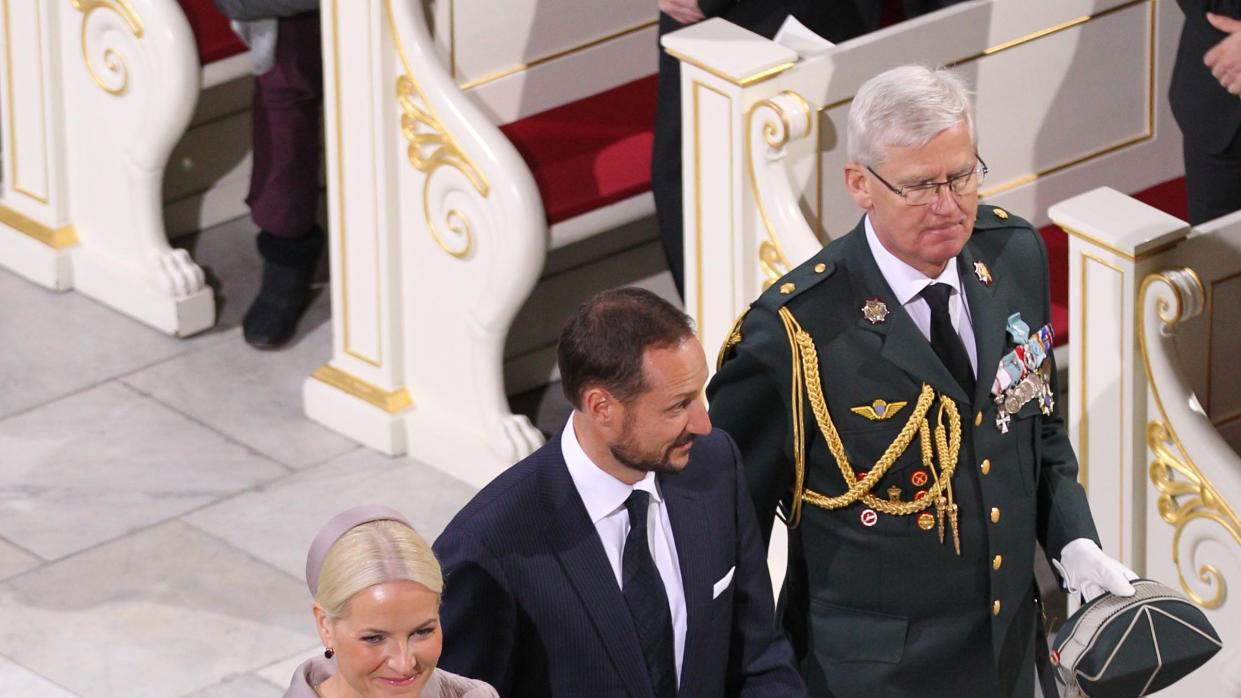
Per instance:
x=734, y=338
x=947, y=442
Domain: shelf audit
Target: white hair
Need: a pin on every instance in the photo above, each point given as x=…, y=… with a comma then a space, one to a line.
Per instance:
x=906, y=106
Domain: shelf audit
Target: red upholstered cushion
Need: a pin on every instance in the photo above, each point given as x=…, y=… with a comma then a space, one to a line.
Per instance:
x=214, y=37
x=1058, y=278
x=1168, y=197
x=592, y=152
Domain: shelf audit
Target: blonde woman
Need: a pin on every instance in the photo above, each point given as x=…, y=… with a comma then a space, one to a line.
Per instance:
x=376, y=586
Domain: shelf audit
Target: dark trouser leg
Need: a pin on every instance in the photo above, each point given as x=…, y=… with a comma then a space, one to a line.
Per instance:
x=284, y=182
x=1213, y=181
x=666, y=159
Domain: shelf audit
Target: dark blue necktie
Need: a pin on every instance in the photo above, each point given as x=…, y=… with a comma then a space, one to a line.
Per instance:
x=647, y=600
x=944, y=338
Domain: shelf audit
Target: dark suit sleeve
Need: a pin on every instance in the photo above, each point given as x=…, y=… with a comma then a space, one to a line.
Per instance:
x=1062, y=507
x=477, y=611
x=760, y=662
x=1229, y=8
x=746, y=398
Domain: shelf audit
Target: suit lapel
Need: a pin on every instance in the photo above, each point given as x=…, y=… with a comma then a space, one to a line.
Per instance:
x=691, y=531
x=903, y=344
x=988, y=317
x=585, y=563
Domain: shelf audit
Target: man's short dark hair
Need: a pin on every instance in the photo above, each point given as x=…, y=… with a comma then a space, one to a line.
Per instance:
x=604, y=340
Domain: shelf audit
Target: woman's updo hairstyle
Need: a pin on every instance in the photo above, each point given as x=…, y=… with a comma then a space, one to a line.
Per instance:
x=370, y=553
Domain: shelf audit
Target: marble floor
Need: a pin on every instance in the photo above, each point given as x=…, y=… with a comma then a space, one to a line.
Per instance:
x=157, y=495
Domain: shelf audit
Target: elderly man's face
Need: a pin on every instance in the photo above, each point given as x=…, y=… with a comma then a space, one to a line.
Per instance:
x=924, y=237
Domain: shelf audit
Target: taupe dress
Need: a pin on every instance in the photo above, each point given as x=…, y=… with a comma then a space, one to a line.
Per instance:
x=442, y=684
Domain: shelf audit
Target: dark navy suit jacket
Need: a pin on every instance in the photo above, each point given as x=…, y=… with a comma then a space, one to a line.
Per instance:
x=531, y=605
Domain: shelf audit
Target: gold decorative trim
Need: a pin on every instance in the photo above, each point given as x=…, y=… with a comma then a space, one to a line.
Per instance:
x=1115, y=250
x=732, y=340
x=431, y=146
x=761, y=76
x=12, y=108
x=522, y=67
x=113, y=61
x=390, y=401
x=1034, y=36
x=1186, y=493
x=771, y=257
x=377, y=362
x=772, y=136
x=56, y=238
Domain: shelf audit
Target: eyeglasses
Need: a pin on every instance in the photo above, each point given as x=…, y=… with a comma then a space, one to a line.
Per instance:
x=927, y=193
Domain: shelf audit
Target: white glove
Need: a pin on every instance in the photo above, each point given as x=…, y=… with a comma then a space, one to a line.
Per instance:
x=1088, y=570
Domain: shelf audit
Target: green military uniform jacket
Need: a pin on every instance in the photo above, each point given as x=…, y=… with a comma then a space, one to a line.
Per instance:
x=874, y=603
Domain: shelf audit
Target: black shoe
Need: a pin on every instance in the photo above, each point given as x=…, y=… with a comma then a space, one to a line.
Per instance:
x=288, y=270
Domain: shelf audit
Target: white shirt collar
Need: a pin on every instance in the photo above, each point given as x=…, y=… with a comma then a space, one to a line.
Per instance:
x=602, y=494
x=905, y=281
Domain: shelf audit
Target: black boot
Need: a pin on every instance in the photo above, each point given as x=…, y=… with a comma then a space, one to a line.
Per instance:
x=288, y=270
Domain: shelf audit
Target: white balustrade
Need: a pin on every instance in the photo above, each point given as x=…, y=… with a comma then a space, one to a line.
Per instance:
x=1153, y=398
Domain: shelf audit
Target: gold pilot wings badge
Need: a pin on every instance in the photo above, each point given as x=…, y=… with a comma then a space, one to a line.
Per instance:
x=879, y=409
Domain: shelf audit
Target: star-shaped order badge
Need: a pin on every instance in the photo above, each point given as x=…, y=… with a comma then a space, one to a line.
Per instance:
x=875, y=311
x=983, y=273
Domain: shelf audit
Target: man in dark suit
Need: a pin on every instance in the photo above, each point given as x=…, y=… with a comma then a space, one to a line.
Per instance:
x=623, y=557
x=835, y=21
x=862, y=390
x=1206, y=82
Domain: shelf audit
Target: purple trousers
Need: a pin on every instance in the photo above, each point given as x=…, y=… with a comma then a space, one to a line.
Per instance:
x=284, y=182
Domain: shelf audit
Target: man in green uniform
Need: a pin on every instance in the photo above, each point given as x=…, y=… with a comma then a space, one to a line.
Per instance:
x=893, y=398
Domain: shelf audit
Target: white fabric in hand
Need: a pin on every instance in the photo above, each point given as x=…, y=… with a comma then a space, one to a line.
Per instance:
x=1088, y=570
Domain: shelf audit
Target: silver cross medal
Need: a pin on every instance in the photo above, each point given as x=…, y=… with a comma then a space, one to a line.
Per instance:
x=1002, y=419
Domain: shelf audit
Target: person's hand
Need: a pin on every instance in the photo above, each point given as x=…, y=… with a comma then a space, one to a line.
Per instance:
x=683, y=11
x=1224, y=58
x=1088, y=570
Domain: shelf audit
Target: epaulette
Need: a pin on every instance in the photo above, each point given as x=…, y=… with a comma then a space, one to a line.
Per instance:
x=803, y=277
x=995, y=218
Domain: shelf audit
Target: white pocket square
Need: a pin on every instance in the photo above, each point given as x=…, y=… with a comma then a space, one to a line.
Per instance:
x=719, y=587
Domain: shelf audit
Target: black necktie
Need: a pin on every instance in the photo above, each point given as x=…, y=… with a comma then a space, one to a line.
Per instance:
x=945, y=340
x=648, y=603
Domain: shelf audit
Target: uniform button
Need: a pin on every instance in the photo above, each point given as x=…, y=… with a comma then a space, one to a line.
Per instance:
x=997, y=561
x=986, y=466
x=978, y=419
x=995, y=607
x=995, y=514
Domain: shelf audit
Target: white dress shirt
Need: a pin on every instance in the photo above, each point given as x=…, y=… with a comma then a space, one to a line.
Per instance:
x=604, y=497
x=907, y=282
